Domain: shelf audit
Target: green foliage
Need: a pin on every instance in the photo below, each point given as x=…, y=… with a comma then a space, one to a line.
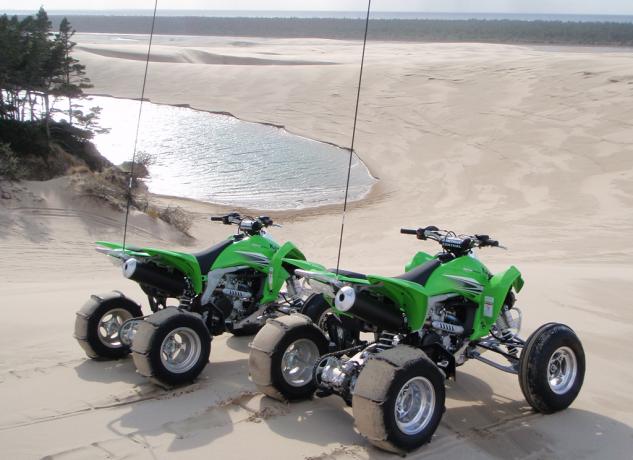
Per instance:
x=25, y=138
x=417, y=30
x=9, y=163
x=35, y=65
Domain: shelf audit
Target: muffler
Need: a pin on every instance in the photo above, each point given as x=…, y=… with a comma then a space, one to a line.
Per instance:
x=365, y=307
x=154, y=276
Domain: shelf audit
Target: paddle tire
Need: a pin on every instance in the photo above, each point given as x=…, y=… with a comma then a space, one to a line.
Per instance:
x=171, y=347
x=398, y=399
x=283, y=355
x=97, y=324
x=316, y=308
x=343, y=333
x=552, y=368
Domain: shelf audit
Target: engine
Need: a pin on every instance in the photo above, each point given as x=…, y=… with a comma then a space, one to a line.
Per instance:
x=450, y=319
x=235, y=295
x=337, y=372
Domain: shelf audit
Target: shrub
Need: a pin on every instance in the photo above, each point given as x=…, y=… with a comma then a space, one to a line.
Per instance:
x=178, y=217
x=9, y=163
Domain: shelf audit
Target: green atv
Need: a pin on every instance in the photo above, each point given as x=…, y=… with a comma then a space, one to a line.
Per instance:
x=446, y=309
x=233, y=286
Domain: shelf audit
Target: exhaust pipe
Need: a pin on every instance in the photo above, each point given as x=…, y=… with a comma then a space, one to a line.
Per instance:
x=365, y=307
x=154, y=276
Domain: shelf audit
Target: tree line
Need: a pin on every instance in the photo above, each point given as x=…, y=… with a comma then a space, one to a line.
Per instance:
x=417, y=30
x=36, y=65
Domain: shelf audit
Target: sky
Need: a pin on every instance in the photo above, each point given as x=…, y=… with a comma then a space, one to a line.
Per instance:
x=447, y=6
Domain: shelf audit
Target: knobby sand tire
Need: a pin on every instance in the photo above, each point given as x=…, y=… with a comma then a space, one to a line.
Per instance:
x=374, y=387
x=536, y=354
x=264, y=351
x=87, y=321
x=148, y=339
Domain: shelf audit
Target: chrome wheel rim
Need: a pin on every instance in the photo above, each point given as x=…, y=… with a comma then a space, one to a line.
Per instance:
x=297, y=363
x=562, y=369
x=180, y=350
x=415, y=405
x=109, y=325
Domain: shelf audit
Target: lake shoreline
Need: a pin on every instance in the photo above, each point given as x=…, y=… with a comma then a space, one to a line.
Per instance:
x=368, y=196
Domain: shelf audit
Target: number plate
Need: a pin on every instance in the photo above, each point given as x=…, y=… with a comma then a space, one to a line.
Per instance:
x=489, y=303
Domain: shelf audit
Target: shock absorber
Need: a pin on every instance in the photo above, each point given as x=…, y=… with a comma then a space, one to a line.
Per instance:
x=509, y=327
x=387, y=340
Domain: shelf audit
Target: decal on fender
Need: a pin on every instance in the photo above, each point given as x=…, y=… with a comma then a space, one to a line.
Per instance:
x=489, y=303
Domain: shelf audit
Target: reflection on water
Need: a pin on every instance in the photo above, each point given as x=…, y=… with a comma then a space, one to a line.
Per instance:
x=220, y=159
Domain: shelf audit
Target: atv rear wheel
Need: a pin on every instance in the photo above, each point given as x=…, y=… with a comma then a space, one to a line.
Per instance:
x=552, y=368
x=283, y=355
x=98, y=322
x=171, y=346
x=399, y=399
x=317, y=309
x=343, y=332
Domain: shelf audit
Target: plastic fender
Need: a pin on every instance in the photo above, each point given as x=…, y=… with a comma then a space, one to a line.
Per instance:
x=417, y=260
x=412, y=298
x=492, y=299
x=306, y=265
x=277, y=275
x=133, y=251
x=184, y=262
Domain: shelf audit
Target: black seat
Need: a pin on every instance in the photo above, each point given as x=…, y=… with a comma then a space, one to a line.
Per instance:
x=349, y=274
x=422, y=273
x=207, y=257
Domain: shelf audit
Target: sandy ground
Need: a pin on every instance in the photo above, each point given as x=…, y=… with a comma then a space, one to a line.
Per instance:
x=533, y=146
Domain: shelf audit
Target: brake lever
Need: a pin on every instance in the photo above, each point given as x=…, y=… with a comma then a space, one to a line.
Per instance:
x=277, y=225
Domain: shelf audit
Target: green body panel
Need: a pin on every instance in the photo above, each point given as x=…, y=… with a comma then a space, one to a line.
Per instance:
x=256, y=252
x=446, y=278
x=411, y=297
x=465, y=276
x=277, y=275
x=182, y=261
x=237, y=254
x=418, y=259
x=492, y=299
x=309, y=266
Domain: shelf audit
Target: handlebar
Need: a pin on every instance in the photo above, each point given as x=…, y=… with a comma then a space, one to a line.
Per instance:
x=248, y=225
x=451, y=242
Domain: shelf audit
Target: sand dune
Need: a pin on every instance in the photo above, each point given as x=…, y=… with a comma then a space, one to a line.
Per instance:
x=530, y=145
x=191, y=56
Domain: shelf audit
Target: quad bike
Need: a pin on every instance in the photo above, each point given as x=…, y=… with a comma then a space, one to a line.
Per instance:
x=233, y=286
x=445, y=310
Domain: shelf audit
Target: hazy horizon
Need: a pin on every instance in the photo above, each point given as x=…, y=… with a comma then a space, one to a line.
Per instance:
x=579, y=7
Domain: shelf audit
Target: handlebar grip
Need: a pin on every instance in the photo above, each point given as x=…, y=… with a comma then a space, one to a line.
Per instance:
x=217, y=218
x=409, y=231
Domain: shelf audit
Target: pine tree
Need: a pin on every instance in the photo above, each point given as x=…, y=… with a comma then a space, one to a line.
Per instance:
x=71, y=79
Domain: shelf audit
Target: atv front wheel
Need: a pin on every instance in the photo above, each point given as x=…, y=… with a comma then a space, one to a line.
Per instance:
x=171, y=346
x=283, y=355
x=552, y=368
x=98, y=322
x=399, y=399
